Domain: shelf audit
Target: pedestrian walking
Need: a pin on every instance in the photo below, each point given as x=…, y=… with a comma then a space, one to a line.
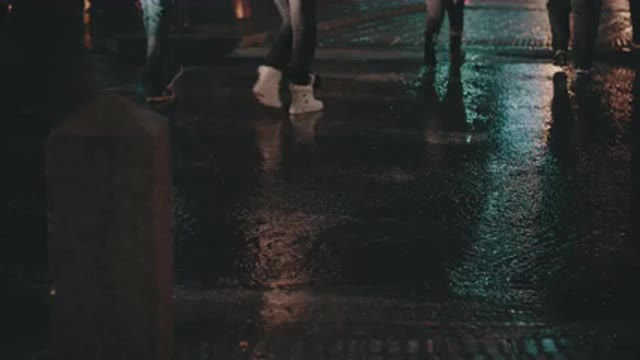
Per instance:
x=435, y=16
x=160, y=71
x=293, y=50
x=586, y=21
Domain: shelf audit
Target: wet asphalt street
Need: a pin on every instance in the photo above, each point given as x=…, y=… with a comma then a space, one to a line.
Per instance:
x=499, y=194
x=490, y=213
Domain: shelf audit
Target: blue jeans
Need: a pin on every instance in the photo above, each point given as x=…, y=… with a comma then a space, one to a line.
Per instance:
x=155, y=16
x=295, y=45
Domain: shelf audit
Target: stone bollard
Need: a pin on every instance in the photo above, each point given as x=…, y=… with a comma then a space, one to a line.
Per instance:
x=110, y=234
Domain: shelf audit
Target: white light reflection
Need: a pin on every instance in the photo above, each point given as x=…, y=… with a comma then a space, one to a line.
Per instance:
x=512, y=216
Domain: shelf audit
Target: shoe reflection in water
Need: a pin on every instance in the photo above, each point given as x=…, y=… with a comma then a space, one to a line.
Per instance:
x=302, y=143
x=304, y=128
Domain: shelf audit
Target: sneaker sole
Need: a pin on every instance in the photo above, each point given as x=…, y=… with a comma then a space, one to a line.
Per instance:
x=259, y=98
x=302, y=112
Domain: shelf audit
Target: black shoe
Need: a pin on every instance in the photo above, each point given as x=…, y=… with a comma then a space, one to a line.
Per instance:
x=561, y=58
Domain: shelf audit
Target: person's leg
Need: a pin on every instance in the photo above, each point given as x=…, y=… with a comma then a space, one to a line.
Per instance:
x=156, y=24
x=455, y=9
x=279, y=55
x=559, y=13
x=267, y=89
x=435, y=15
x=303, y=24
x=586, y=22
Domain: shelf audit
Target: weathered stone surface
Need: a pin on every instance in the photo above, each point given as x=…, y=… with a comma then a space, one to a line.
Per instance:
x=110, y=236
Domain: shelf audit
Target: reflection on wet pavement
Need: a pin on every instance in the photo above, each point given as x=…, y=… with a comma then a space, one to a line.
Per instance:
x=513, y=193
x=462, y=200
x=494, y=203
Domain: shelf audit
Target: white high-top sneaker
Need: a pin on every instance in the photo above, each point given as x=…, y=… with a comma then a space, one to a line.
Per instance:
x=267, y=88
x=302, y=99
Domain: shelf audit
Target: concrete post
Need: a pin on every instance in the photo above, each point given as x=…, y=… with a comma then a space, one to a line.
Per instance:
x=110, y=233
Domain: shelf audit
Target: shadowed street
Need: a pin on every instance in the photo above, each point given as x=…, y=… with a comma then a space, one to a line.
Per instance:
x=489, y=212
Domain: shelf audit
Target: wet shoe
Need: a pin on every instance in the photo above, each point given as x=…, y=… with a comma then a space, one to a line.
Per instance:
x=168, y=94
x=303, y=100
x=561, y=58
x=267, y=88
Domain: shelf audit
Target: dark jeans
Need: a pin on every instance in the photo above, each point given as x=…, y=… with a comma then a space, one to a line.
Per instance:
x=435, y=16
x=586, y=22
x=295, y=44
x=155, y=14
x=559, y=14
x=635, y=19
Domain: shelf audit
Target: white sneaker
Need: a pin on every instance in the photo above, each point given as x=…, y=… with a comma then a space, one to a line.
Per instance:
x=302, y=99
x=267, y=88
